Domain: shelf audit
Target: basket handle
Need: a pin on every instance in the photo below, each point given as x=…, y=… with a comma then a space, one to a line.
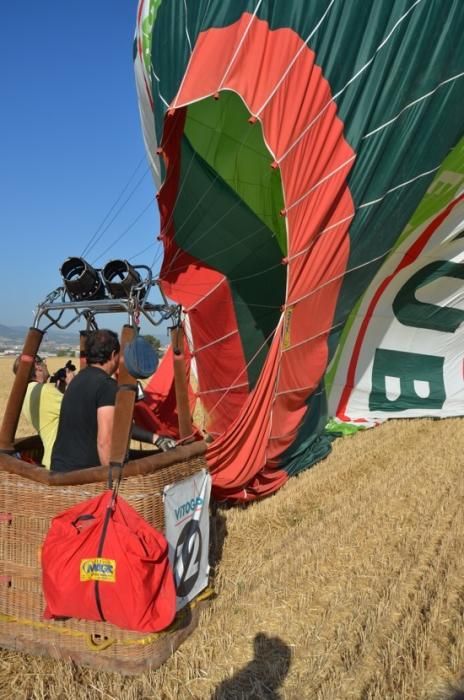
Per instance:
x=97, y=643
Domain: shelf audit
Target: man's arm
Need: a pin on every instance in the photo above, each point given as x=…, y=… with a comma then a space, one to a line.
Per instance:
x=105, y=417
x=161, y=442
x=142, y=435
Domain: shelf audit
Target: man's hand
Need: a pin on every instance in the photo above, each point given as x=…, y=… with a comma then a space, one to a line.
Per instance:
x=69, y=376
x=164, y=443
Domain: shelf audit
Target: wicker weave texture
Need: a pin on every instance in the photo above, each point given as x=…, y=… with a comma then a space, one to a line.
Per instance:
x=99, y=645
x=26, y=511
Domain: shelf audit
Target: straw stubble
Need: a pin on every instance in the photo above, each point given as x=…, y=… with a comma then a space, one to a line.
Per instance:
x=348, y=583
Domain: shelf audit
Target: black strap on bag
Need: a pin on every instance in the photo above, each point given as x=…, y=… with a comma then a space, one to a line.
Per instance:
x=113, y=483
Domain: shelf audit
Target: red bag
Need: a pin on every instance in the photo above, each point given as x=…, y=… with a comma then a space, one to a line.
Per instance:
x=102, y=561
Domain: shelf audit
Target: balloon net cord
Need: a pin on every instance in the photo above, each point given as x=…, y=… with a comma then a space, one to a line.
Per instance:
x=234, y=384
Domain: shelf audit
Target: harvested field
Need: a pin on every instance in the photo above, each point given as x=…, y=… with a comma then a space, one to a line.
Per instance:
x=6, y=381
x=348, y=583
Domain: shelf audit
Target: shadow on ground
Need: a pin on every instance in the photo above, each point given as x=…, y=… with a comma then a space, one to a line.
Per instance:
x=218, y=534
x=451, y=692
x=262, y=677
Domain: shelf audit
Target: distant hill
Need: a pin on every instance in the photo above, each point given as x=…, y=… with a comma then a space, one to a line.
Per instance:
x=16, y=334
x=10, y=332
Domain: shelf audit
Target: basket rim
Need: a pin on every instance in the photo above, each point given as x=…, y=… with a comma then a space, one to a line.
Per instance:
x=145, y=465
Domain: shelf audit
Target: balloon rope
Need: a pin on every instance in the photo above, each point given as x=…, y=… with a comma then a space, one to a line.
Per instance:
x=451, y=79
x=228, y=389
x=351, y=80
x=178, y=193
x=186, y=27
x=93, y=239
x=198, y=203
x=235, y=244
x=321, y=182
x=221, y=388
x=214, y=342
x=294, y=59
x=308, y=248
x=240, y=44
x=397, y=187
x=126, y=230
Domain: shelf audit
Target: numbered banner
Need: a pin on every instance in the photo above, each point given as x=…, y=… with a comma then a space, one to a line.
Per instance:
x=186, y=517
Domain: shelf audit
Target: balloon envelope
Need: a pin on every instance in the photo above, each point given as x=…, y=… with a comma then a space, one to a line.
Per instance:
x=310, y=163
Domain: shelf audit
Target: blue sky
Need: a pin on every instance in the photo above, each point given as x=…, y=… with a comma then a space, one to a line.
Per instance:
x=70, y=141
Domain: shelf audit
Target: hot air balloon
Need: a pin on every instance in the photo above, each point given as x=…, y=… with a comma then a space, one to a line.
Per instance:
x=309, y=159
x=310, y=168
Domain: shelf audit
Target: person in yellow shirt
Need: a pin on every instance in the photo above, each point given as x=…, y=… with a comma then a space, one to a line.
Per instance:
x=42, y=406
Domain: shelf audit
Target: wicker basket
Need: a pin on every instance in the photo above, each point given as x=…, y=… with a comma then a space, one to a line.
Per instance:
x=29, y=498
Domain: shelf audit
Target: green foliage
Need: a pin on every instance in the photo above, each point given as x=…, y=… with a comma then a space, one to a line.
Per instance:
x=154, y=342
